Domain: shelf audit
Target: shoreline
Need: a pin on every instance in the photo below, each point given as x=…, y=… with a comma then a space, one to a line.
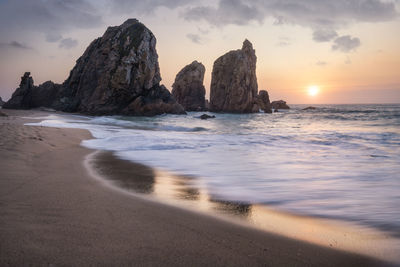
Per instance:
x=176, y=190
x=54, y=212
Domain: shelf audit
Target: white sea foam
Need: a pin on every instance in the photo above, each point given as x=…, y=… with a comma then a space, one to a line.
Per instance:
x=336, y=161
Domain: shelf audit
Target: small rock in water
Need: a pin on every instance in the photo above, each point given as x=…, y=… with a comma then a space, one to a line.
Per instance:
x=206, y=116
x=3, y=114
x=280, y=104
x=309, y=108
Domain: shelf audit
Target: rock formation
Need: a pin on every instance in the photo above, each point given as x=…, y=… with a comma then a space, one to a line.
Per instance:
x=234, y=82
x=309, y=108
x=117, y=74
x=263, y=102
x=188, y=88
x=28, y=96
x=280, y=104
x=1, y=102
x=21, y=98
x=206, y=117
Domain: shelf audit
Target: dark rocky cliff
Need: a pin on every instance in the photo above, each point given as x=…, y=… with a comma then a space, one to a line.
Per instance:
x=117, y=74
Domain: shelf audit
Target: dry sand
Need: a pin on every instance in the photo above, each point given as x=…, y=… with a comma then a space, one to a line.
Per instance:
x=53, y=212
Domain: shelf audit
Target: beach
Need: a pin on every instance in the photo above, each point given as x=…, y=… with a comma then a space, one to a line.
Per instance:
x=54, y=212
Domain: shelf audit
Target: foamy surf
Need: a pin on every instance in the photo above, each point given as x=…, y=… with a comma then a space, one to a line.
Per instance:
x=339, y=161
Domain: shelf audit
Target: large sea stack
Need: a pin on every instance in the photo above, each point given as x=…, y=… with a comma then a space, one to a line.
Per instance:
x=234, y=82
x=117, y=74
x=188, y=88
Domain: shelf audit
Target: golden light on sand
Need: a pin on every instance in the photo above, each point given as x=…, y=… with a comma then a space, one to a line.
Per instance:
x=313, y=90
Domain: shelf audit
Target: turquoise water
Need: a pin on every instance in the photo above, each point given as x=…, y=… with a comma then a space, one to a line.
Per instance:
x=339, y=161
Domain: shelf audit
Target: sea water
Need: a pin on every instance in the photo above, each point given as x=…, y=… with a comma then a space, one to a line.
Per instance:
x=338, y=161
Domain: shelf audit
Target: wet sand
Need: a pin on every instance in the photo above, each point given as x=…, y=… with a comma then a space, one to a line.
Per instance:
x=52, y=211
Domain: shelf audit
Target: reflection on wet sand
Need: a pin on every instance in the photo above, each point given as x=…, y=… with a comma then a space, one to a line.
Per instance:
x=183, y=191
x=142, y=179
x=128, y=175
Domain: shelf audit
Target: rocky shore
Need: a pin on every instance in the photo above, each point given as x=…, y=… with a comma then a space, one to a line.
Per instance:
x=119, y=74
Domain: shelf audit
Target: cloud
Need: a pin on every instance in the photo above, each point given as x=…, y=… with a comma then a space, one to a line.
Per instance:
x=321, y=63
x=310, y=13
x=284, y=41
x=53, y=17
x=324, y=17
x=15, y=45
x=228, y=12
x=195, y=38
x=68, y=43
x=346, y=44
x=324, y=35
x=53, y=37
x=144, y=6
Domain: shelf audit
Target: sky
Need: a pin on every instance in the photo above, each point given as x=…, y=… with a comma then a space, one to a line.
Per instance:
x=348, y=49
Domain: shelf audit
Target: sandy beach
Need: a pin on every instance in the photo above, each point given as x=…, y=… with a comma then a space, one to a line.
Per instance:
x=52, y=212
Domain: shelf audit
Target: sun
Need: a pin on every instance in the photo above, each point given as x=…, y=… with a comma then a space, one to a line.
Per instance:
x=313, y=90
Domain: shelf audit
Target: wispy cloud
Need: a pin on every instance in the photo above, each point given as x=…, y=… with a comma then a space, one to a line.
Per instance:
x=68, y=43
x=52, y=37
x=324, y=35
x=315, y=14
x=195, y=38
x=321, y=63
x=324, y=17
x=15, y=45
x=346, y=44
x=145, y=6
x=284, y=41
x=50, y=17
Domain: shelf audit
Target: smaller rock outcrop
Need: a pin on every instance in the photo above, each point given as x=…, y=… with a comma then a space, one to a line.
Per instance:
x=188, y=88
x=206, y=117
x=28, y=96
x=22, y=97
x=234, y=82
x=3, y=114
x=280, y=104
x=309, y=108
x=1, y=102
x=263, y=102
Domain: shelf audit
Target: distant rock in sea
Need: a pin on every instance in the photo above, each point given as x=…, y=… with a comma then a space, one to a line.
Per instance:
x=234, y=82
x=118, y=74
x=263, y=102
x=188, y=88
x=309, y=108
x=280, y=104
x=206, y=117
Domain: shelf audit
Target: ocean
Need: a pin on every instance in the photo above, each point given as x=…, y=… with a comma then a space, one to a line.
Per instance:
x=338, y=161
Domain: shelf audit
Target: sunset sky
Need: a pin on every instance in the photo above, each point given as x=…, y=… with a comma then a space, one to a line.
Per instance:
x=350, y=49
